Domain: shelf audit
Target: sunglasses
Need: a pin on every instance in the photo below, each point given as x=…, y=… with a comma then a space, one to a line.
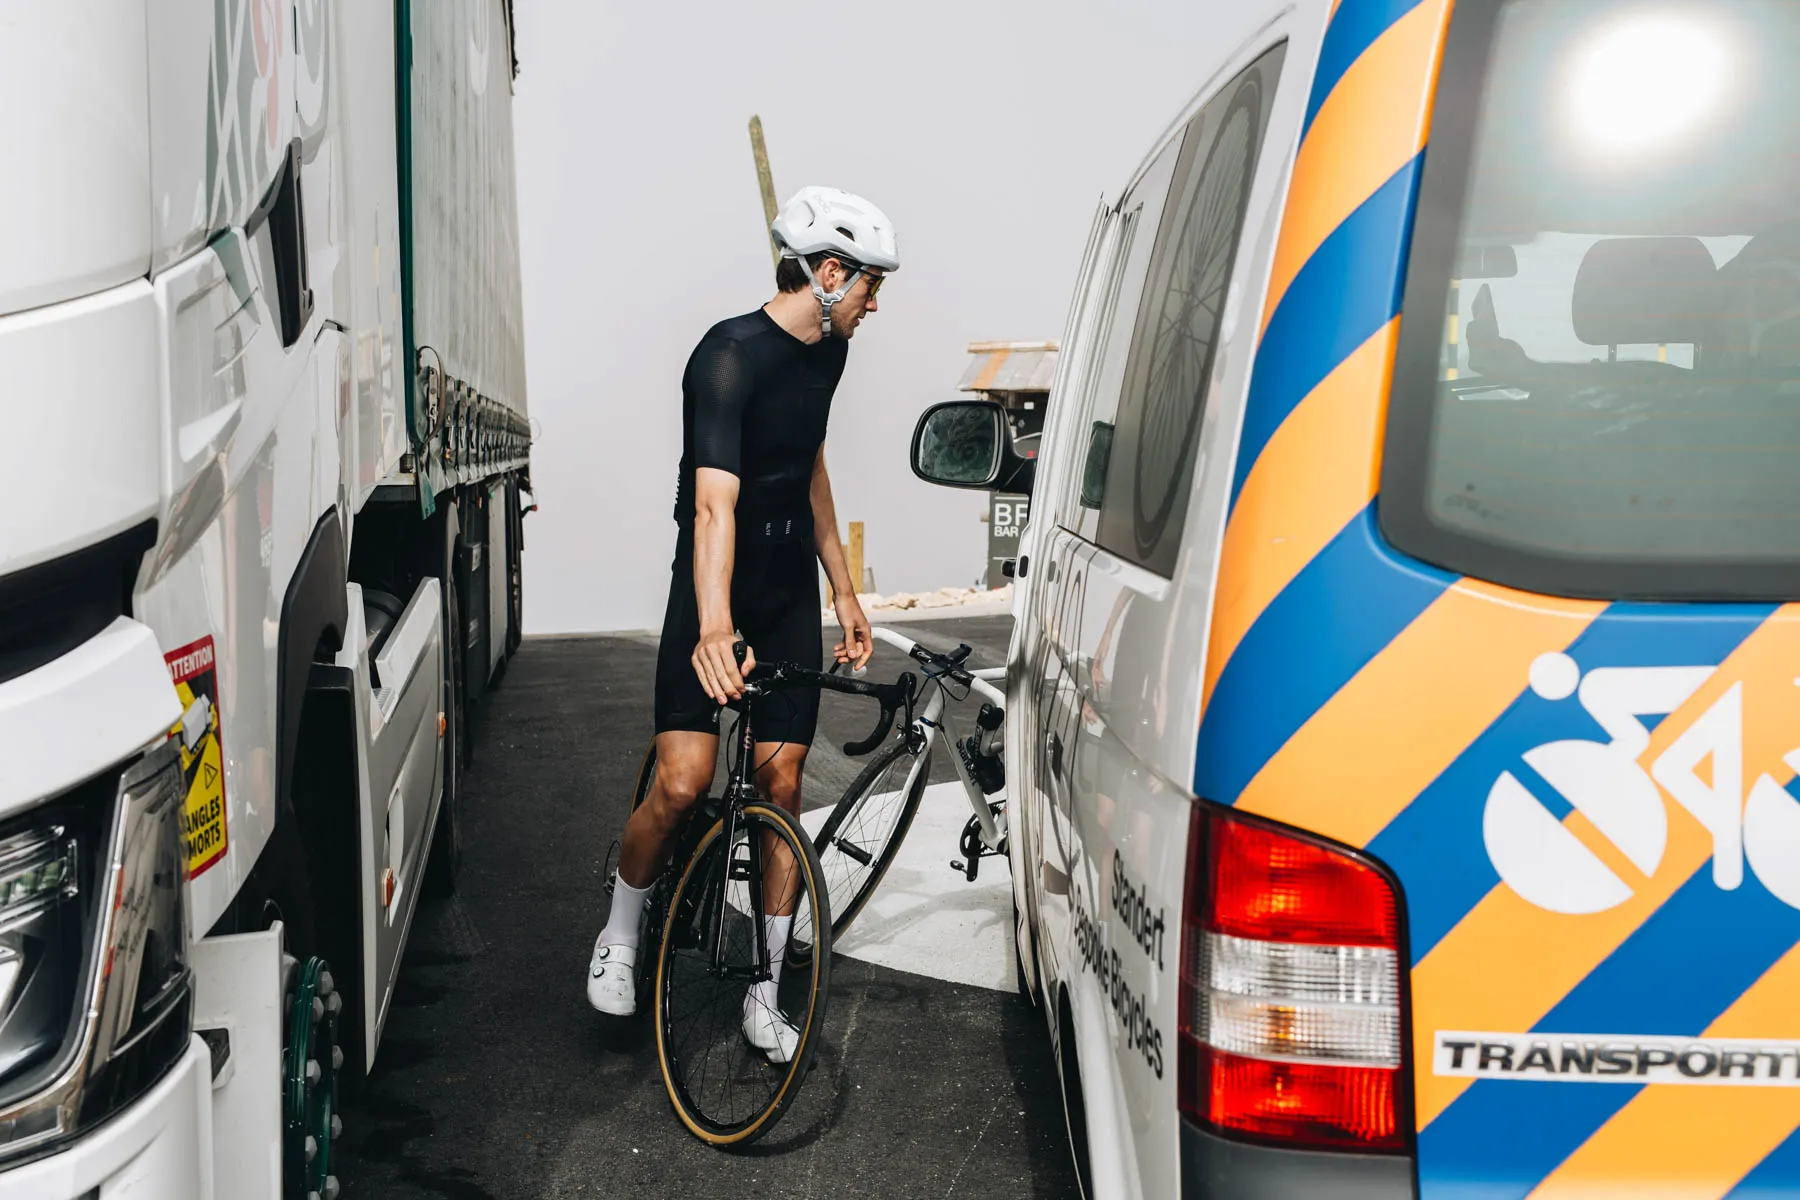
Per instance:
x=875, y=281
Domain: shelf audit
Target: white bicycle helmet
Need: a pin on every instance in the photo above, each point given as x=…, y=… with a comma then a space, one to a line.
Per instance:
x=822, y=219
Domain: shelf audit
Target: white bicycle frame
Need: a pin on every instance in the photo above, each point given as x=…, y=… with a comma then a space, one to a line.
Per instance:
x=929, y=721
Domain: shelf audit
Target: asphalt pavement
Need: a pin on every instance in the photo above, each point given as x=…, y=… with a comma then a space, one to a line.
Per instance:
x=496, y=1081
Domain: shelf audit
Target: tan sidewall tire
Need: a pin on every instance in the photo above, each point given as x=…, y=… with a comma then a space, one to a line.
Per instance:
x=820, y=966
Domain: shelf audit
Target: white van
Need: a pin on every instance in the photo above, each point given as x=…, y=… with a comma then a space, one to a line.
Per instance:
x=1405, y=694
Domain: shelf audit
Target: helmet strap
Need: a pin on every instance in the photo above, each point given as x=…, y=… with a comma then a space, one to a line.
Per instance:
x=827, y=299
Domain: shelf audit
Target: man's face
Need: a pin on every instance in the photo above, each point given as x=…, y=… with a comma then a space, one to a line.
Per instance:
x=858, y=303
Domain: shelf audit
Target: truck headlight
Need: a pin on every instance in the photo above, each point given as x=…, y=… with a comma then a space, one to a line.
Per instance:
x=41, y=944
x=95, y=993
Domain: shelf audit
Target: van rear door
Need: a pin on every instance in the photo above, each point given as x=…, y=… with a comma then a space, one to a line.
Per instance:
x=1575, y=732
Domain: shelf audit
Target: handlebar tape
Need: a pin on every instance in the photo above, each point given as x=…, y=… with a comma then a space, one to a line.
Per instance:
x=857, y=749
x=891, y=696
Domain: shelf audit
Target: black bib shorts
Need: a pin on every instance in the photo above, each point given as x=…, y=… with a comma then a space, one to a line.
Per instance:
x=775, y=602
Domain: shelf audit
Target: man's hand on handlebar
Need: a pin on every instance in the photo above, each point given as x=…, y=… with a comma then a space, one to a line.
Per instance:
x=718, y=668
x=858, y=643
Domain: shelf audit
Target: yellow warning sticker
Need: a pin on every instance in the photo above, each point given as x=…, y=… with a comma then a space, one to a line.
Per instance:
x=202, y=756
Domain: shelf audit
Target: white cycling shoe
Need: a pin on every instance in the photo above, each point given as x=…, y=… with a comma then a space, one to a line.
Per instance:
x=772, y=1034
x=612, y=980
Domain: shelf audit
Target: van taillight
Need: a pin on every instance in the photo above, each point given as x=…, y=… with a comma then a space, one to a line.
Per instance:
x=1290, y=990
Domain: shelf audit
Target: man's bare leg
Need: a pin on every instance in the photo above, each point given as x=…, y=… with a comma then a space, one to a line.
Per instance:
x=778, y=779
x=684, y=771
x=684, y=765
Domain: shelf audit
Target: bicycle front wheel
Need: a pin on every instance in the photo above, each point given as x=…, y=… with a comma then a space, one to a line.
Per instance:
x=711, y=962
x=860, y=838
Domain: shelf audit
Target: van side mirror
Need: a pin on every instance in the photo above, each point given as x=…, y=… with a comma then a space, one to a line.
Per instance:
x=966, y=444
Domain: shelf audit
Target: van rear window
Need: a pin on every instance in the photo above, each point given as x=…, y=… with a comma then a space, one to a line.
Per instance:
x=1598, y=389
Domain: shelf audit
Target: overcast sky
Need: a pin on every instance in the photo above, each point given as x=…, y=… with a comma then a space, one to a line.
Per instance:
x=987, y=131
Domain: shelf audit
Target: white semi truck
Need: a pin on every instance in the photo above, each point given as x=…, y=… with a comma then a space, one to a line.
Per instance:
x=265, y=449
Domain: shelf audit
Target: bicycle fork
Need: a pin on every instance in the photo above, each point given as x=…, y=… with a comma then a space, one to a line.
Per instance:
x=749, y=872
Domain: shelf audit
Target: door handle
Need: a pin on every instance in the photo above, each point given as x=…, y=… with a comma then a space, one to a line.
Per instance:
x=1024, y=565
x=1056, y=756
x=1052, y=568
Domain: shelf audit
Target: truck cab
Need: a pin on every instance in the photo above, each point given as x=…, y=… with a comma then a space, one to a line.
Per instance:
x=266, y=438
x=1404, y=713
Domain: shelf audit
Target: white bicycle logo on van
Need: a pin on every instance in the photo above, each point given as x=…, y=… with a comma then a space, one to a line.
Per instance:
x=1548, y=865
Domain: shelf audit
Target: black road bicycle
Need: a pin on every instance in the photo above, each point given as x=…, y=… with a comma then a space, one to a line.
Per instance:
x=737, y=858
x=862, y=834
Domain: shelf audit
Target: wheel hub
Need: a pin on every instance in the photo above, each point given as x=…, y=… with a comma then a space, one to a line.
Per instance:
x=311, y=1061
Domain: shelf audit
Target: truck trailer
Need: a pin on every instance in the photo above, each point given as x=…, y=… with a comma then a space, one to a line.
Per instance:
x=263, y=390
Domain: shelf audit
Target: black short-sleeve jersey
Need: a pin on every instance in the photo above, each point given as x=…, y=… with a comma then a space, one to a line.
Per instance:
x=755, y=400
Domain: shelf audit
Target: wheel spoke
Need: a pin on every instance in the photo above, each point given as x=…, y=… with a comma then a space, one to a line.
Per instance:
x=720, y=1084
x=870, y=821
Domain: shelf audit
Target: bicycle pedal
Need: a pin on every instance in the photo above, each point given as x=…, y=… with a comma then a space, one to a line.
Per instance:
x=852, y=850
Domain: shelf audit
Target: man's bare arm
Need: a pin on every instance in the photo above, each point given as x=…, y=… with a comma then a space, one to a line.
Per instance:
x=825, y=530
x=715, y=550
x=858, y=644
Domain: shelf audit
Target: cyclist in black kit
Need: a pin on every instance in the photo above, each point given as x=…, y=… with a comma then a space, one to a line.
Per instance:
x=753, y=509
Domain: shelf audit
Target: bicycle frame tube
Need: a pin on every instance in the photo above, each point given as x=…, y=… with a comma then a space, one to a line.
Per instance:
x=716, y=927
x=984, y=679
x=932, y=719
x=978, y=803
x=735, y=787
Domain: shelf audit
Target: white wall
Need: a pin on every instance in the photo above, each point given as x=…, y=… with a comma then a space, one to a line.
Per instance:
x=987, y=130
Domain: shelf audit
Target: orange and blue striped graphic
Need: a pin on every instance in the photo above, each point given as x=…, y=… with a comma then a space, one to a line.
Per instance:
x=1374, y=699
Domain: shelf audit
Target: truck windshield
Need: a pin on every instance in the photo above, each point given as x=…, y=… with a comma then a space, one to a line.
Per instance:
x=1598, y=388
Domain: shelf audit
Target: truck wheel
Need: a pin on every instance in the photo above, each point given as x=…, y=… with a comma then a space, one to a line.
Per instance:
x=311, y=1060
x=328, y=887
x=445, y=858
x=515, y=549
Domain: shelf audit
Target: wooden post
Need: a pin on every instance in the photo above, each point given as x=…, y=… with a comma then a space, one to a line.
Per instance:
x=853, y=554
x=765, y=180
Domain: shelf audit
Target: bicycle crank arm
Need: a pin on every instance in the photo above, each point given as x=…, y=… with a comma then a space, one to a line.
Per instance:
x=975, y=848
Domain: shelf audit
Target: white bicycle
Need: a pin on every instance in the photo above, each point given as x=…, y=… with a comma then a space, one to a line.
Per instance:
x=861, y=837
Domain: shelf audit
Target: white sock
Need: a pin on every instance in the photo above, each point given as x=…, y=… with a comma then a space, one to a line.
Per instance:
x=627, y=912
x=775, y=933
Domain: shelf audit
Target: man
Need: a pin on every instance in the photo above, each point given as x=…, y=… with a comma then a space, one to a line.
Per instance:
x=753, y=506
